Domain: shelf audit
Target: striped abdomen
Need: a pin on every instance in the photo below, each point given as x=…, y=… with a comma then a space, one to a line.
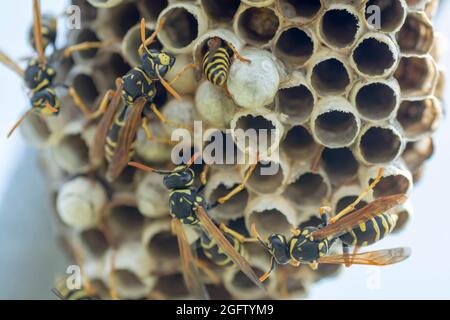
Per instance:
x=113, y=135
x=212, y=251
x=216, y=69
x=371, y=231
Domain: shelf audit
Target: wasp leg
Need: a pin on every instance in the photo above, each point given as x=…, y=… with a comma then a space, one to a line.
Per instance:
x=207, y=270
x=103, y=105
x=179, y=74
x=112, y=279
x=238, y=56
x=164, y=120
x=238, y=188
x=203, y=178
x=352, y=206
x=225, y=88
x=267, y=274
x=240, y=237
x=79, y=102
x=295, y=232
x=85, y=46
x=149, y=134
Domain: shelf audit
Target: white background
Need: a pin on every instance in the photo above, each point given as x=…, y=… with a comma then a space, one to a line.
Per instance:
x=29, y=257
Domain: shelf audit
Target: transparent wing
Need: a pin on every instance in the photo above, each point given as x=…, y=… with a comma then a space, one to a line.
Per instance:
x=349, y=221
x=373, y=258
x=191, y=273
x=127, y=136
x=104, y=125
x=225, y=245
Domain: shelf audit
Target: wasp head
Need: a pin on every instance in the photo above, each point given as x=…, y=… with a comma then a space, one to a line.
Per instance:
x=277, y=245
x=156, y=62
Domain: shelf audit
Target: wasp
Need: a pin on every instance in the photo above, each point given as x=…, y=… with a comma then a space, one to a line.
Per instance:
x=217, y=61
x=116, y=131
x=358, y=228
x=39, y=75
x=188, y=205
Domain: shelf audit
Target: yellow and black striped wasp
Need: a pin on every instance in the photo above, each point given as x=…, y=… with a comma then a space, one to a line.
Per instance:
x=39, y=75
x=116, y=132
x=217, y=60
x=362, y=227
x=188, y=205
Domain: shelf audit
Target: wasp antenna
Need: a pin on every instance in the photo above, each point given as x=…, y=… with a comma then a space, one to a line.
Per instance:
x=19, y=122
x=147, y=168
x=38, y=33
x=193, y=159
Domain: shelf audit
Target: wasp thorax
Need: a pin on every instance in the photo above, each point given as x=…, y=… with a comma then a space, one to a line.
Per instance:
x=37, y=76
x=179, y=179
x=156, y=62
x=304, y=248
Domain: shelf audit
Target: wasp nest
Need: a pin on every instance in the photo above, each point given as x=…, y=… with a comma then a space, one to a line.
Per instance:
x=322, y=73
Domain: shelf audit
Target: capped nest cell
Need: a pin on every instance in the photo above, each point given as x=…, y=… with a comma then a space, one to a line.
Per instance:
x=330, y=93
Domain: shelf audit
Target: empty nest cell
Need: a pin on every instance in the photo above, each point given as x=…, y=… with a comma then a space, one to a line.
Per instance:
x=94, y=240
x=339, y=27
x=85, y=86
x=299, y=144
x=377, y=100
x=380, y=144
x=416, y=75
x=268, y=177
x=184, y=23
x=418, y=117
x=119, y=19
x=334, y=123
x=125, y=220
x=340, y=165
x=233, y=207
x=391, y=13
x=151, y=9
x=330, y=76
x=296, y=102
x=299, y=10
x=390, y=185
x=375, y=55
x=308, y=189
x=220, y=10
x=295, y=46
x=71, y=154
x=163, y=245
x=257, y=26
x=416, y=35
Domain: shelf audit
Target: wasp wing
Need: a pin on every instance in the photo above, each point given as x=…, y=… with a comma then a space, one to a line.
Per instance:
x=126, y=138
x=373, y=258
x=225, y=245
x=191, y=273
x=349, y=221
x=98, y=150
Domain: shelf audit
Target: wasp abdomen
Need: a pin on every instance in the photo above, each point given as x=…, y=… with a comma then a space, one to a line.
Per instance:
x=216, y=68
x=370, y=231
x=212, y=251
